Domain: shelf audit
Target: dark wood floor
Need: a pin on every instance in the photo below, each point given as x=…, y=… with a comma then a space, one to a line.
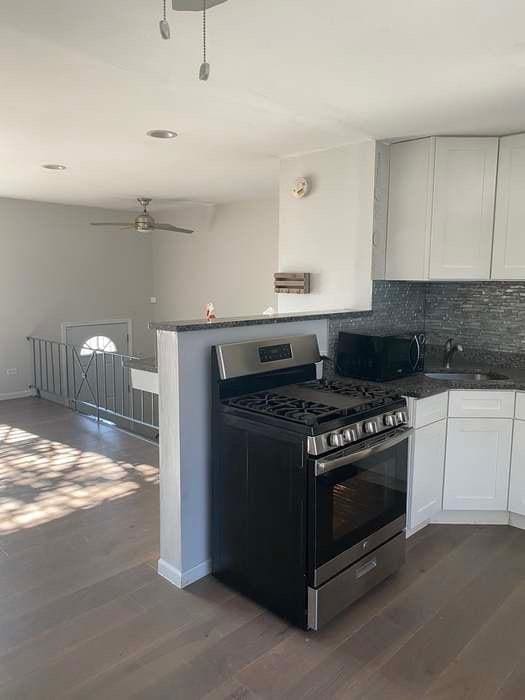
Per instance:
x=84, y=615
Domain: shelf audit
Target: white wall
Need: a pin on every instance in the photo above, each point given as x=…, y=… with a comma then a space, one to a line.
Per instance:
x=55, y=267
x=229, y=260
x=329, y=233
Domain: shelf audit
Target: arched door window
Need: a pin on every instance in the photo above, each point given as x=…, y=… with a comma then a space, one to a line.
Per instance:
x=98, y=342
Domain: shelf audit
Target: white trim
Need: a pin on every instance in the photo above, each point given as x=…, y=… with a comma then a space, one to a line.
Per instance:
x=17, y=395
x=196, y=573
x=169, y=572
x=517, y=520
x=79, y=324
x=184, y=578
x=412, y=531
x=472, y=517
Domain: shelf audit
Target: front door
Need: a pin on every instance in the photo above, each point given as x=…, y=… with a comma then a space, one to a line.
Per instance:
x=99, y=379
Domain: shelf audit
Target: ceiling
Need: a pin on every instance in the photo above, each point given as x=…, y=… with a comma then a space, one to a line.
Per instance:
x=83, y=82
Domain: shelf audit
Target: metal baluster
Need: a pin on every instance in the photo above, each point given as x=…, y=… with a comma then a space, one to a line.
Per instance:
x=67, y=375
x=40, y=364
x=105, y=382
x=123, y=382
x=114, y=384
x=142, y=406
x=52, y=345
x=34, y=365
x=47, y=366
x=97, y=398
x=60, y=367
x=74, y=377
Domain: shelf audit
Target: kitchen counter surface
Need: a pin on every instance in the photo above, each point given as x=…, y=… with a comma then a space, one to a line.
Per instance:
x=419, y=386
x=236, y=321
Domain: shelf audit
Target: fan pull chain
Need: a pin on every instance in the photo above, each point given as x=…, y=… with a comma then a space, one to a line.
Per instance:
x=164, y=24
x=204, y=72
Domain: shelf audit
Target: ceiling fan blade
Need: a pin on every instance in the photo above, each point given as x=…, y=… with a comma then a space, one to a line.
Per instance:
x=169, y=227
x=111, y=223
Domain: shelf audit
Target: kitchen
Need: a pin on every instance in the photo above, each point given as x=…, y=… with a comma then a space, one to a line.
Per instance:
x=463, y=400
x=274, y=446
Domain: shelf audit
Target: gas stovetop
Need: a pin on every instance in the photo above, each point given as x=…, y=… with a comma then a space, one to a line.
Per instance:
x=315, y=403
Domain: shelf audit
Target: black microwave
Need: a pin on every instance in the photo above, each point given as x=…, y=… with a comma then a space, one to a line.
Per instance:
x=380, y=357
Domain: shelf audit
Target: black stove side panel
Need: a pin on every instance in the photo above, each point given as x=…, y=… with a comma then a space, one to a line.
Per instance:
x=259, y=514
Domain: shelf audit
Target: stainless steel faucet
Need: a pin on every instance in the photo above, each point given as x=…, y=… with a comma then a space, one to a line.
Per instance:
x=449, y=352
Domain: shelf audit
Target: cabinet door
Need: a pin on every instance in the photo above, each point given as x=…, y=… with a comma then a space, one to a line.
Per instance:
x=463, y=208
x=428, y=463
x=410, y=209
x=508, y=258
x=477, y=464
x=517, y=473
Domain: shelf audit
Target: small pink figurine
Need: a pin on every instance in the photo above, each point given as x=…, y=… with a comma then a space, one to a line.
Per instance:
x=210, y=312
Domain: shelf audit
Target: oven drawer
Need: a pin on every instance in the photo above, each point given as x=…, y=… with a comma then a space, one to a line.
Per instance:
x=326, y=602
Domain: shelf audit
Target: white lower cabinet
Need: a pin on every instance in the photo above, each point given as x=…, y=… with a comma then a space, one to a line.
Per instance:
x=428, y=463
x=477, y=468
x=517, y=473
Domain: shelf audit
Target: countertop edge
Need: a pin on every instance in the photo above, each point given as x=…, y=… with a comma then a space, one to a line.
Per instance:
x=235, y=322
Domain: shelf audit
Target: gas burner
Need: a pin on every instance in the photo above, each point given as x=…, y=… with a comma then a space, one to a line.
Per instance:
x=281, y=406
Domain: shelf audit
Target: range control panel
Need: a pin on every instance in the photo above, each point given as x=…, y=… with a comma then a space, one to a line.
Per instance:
x=272, y=353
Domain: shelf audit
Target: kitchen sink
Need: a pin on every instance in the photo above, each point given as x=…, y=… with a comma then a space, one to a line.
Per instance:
x=459, y=376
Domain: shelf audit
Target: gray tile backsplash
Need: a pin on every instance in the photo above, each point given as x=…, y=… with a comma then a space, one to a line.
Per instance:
x=395, y=305
x=484, y=316
x=480, y=315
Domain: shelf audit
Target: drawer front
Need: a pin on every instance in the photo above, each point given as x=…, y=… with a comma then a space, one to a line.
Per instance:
x=326, y=602
x=520, y=405
x=477, y=403
x=430, y=410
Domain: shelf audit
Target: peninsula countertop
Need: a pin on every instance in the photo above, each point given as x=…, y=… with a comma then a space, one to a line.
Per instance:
x=235, y=321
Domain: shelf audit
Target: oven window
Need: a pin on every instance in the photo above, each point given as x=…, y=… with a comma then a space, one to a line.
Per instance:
x=355, y=501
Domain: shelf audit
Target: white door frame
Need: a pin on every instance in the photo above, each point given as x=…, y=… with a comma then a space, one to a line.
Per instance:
x=75, y=324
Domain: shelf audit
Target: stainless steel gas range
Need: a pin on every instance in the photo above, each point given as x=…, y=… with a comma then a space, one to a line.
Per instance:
x=309, y=480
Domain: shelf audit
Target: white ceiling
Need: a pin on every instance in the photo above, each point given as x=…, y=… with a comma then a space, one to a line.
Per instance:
x=83, y=82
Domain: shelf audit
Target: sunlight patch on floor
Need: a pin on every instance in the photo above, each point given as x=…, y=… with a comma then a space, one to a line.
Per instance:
x=42, y=480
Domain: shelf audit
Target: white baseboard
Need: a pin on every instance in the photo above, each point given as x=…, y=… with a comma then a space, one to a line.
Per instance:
x=472, y=517
x=413, y=530
x=181, y=579
x=169, y=572
x=17, y=395
x=517, y=520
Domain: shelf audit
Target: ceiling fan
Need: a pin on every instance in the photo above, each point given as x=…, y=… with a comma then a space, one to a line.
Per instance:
x=144, y=222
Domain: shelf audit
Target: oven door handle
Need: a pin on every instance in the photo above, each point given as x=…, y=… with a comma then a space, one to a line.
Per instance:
x=323, y=466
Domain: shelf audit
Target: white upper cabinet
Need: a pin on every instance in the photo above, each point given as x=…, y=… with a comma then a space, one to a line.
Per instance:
x=410, y=209
x=441, y=208
x=463, y=208
x=508, y=261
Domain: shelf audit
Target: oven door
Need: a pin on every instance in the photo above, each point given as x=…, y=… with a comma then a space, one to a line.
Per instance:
x=358, y=500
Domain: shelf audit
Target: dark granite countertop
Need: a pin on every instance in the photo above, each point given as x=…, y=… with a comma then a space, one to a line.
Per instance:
x=419, y=386
x=146, y=364
x=235, y=321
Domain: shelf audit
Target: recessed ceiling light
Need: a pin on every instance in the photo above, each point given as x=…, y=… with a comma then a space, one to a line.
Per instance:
x=54, y=166
x=162, y=134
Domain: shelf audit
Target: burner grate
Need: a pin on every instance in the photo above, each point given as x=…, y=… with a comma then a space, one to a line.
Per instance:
x=279, y=405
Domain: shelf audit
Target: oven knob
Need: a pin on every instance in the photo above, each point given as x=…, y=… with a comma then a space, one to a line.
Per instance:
x=350, y=435
x=401, y=417
x=370, y=427
x=390, y=420
x=336, y=440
